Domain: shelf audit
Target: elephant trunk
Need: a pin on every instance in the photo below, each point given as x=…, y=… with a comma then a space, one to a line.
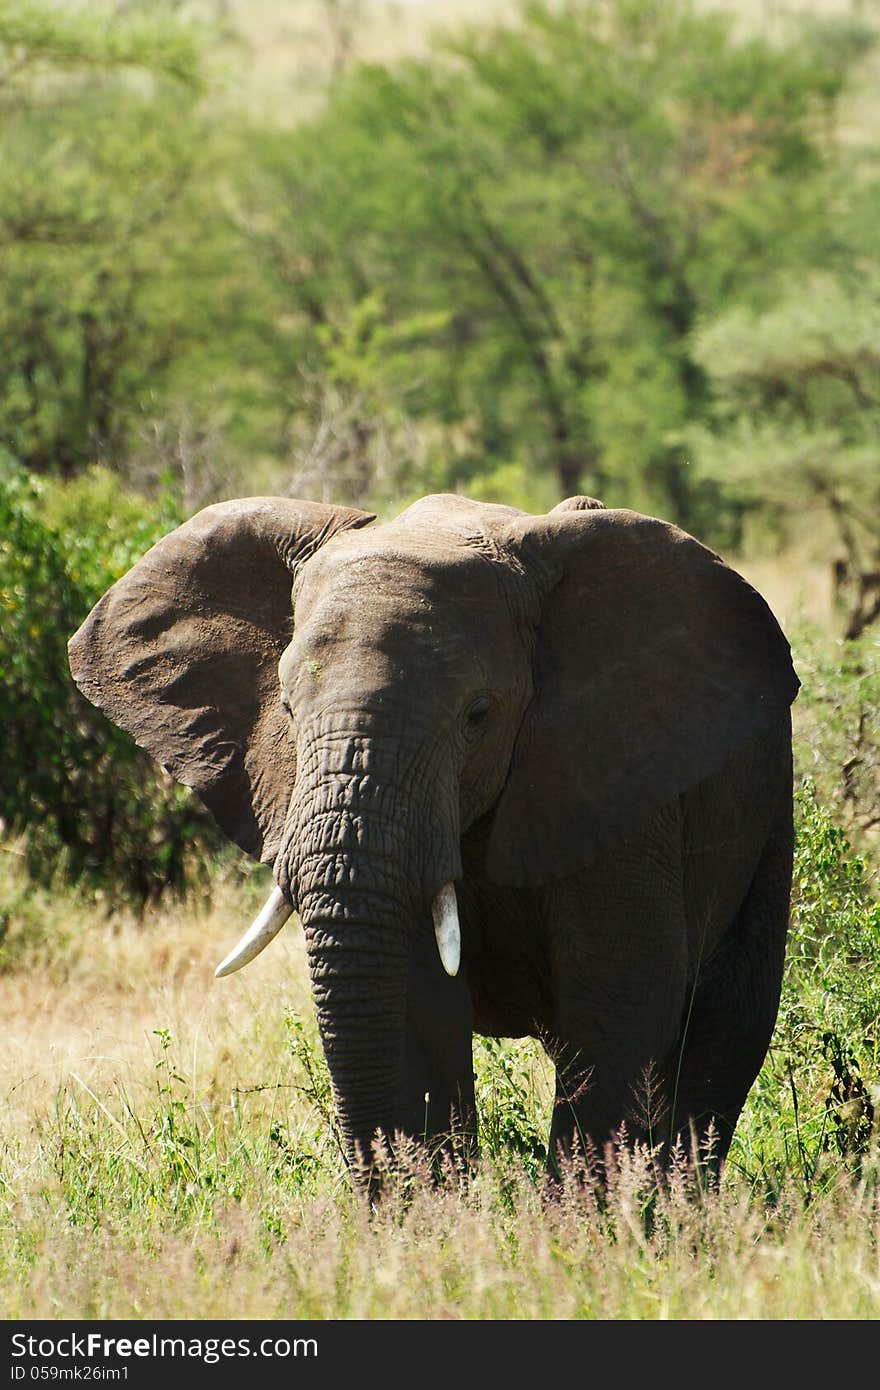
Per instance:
x=359, y=967
x=363, y=862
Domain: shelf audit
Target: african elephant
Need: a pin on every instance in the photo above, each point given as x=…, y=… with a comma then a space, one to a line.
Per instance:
x=517, y=774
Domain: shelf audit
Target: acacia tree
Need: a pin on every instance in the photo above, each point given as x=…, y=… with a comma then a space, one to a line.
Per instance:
x=101, y=138
x=564, y=200
x=797, y=419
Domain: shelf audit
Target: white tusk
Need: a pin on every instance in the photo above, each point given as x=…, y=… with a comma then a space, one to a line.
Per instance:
x=444, y=910
x=257, y=937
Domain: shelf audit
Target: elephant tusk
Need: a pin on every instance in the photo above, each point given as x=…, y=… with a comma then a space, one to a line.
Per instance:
x=267, y=925
x=444, y=910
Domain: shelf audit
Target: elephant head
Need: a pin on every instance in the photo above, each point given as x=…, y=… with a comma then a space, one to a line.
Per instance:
x=465, y=700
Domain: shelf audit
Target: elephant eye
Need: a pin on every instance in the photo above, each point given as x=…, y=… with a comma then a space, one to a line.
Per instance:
x=476, y=716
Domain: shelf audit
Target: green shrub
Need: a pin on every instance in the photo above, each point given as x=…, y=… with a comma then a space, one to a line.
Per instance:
x=818, y=1095
x=514, y=1092
x=837, y=728
x=87, y=801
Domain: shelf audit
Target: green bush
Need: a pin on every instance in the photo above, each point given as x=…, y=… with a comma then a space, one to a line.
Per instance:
x=818, y=1095
x=86, y=800
x=837, y=728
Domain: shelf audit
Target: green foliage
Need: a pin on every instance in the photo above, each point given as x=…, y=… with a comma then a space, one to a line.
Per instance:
x=512, y=1101
x=314, y=1085
x=85, y=798
x=564, y=200
x=38, y=36
x=104, y=155
x=837, y=729
x=519, y=266
x=815, y=1103
x=797, y=418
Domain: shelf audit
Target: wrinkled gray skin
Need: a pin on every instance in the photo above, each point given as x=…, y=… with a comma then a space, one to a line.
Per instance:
x=582, y=719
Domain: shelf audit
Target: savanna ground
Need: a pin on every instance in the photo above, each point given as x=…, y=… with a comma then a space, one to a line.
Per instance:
x=167, y=1146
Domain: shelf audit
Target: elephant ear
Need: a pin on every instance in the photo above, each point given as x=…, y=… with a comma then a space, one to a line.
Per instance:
x=182, y=652
x=655, y=661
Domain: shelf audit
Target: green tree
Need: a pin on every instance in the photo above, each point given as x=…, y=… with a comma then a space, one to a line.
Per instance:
x=101, y=141
x=565, y=199
x=796, y=430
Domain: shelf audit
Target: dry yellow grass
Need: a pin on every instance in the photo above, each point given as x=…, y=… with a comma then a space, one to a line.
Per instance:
x=133, y=1186
x=89, y=1013
x=796, y=589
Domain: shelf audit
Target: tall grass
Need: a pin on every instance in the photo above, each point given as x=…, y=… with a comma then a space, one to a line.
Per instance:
x=163, y=1131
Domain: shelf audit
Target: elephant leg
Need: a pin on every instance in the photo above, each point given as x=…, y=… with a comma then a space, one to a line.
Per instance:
x=590, y=1114
x=612, y=1091
x=731, y=1012
x=620, y=987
